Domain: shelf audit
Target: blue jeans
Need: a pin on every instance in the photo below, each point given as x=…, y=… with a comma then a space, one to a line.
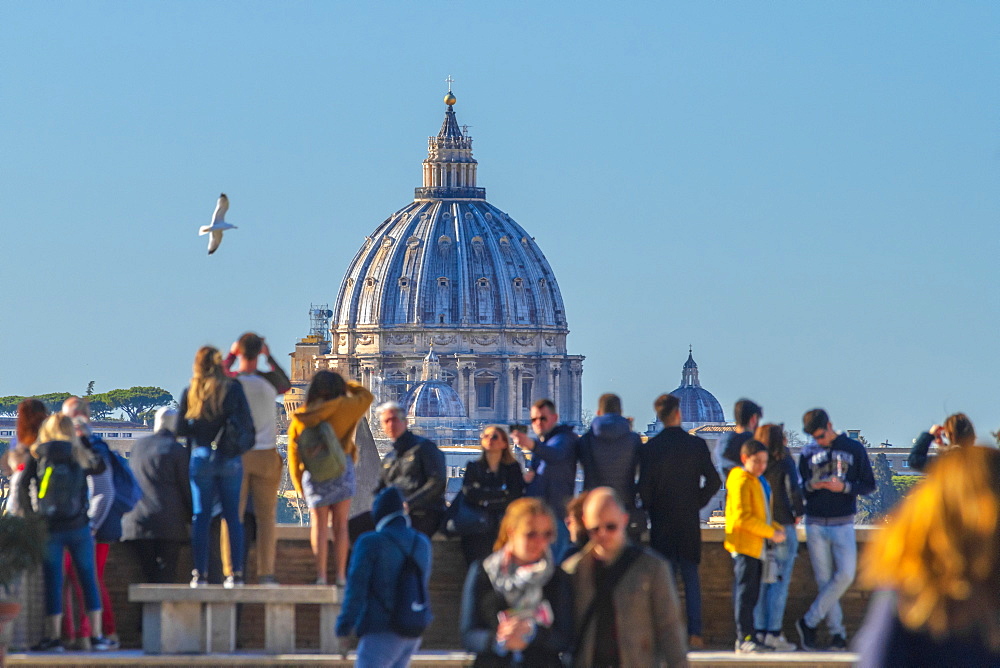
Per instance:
x=211, y=477
x=687, y=571
x=746, y=589
x=80, y=543
x=385, y=650
x=770, y=611
x=833, y=552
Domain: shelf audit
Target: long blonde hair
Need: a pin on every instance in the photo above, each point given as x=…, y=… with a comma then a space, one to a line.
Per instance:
x=941, y=549
x=208, y=382
x=519, y=511
x=58, y=427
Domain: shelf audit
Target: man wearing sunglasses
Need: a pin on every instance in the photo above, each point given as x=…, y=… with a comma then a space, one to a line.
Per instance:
x=553, y=464
x=835, y=470
x=626, y=610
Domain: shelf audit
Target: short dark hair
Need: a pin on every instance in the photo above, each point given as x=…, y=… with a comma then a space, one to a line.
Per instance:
x=744, y=410
x=250, y=345
x=814, y=420
x=752, y=447
x=665, y=405
x=609, y=404
x=545, y=403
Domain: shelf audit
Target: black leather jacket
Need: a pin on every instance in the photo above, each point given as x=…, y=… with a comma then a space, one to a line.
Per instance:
x=416, y=467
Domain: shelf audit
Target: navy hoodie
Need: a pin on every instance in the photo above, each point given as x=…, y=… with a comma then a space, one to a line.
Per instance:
x=556, y=483
x=609, y=454
x=845, y=459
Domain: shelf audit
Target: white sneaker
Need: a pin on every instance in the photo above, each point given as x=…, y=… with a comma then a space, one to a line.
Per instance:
x=779, y=643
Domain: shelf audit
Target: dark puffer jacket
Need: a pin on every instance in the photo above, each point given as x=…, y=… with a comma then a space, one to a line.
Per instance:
x=609, y=453
x=160, y=465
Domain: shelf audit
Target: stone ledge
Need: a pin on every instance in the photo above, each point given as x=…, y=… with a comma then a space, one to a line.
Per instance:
x=422, y=659
x=305, y=594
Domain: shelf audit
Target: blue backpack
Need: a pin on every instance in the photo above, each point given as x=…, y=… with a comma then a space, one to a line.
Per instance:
x=412, y=612
x=127, y=492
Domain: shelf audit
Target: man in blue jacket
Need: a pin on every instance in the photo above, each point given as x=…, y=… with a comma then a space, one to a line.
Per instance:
x=553, y=464
x=376, y=563
x=835, y=470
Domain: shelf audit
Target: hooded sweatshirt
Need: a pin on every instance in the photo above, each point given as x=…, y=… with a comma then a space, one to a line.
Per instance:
x=609, y=453
x=343, y=414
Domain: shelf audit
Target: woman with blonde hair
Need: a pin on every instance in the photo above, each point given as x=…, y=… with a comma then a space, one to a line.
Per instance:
x=938, y=564
x=491, y=482
x=956, y=432
x=215, y=417
x=517, y=606
x=341, y=404
x=59, y=465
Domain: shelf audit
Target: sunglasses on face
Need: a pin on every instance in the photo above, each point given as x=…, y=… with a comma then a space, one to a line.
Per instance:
x=547, y=535
x=611, y=527
x=492, y=437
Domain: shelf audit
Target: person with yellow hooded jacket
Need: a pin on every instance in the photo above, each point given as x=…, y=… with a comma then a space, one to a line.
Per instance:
x=748, y=526
x=329, y=398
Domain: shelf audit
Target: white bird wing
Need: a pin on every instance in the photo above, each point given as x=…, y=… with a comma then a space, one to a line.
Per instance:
x=220, y=209
x=214, y=241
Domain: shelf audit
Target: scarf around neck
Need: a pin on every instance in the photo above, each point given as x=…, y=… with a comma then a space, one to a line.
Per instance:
x=521, y=586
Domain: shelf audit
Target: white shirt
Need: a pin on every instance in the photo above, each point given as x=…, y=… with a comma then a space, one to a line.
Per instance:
x=261, y=396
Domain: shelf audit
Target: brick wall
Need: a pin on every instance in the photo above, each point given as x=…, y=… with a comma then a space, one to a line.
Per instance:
x=295, y=565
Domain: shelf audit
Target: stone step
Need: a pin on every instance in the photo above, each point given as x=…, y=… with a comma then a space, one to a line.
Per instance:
x=435, y=659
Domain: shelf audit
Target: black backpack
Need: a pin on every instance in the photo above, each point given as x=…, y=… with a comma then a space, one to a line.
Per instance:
x=412, y=613
x=62, y=485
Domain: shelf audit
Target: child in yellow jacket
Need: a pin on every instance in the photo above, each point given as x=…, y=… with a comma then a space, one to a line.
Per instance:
x=748, y=526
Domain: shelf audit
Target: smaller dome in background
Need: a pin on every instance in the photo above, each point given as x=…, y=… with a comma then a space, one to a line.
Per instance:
x=698, y=405
x=433, y=397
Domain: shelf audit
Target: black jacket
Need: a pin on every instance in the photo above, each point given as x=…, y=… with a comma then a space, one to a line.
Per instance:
x=786, y=492
x=160, y=466
x=609, y=454
x=234, y=406
x=480, y=605
x=671, y=466
x=416, y=467
x=492, y=491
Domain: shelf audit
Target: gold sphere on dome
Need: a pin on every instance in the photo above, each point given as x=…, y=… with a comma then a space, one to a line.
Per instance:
x=450, y=99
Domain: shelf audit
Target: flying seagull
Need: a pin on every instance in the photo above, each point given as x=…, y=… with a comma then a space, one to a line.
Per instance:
x=218, y=226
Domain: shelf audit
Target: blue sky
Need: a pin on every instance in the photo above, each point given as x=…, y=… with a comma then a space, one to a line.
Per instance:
x=806, y=192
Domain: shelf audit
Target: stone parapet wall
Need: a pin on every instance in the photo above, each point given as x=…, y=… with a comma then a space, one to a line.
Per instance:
x=295, y=566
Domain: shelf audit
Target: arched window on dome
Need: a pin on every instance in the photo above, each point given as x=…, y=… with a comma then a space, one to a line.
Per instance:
x=403, y=300
x=442, y=301
x=484, y=300
x=520, y=300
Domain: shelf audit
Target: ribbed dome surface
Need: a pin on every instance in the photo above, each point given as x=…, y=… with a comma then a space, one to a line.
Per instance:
x=447, y=262
x=698, y=404
x=433, y=399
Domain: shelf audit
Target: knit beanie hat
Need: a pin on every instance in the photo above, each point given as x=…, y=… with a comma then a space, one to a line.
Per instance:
x=388, y=502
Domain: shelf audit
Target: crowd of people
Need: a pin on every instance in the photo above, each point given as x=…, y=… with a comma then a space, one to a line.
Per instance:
x=553, y=576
